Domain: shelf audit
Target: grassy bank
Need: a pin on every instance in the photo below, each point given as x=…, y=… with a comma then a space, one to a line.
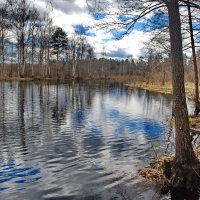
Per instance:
x=164, y=89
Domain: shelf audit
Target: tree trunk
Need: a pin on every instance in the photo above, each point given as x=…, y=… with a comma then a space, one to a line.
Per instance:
x=179, y=194
x=57, y=55
x=184, y=153
x=196, y=78
x=48, y=60
x=22, y=53
x=3, y=34
x=3, y=53
x=164, y=73
x=32, y=56
x=74, y=66
x=42, y=56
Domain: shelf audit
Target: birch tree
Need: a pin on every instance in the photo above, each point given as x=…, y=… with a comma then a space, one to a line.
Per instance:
x=22, y=13
x=5, y=26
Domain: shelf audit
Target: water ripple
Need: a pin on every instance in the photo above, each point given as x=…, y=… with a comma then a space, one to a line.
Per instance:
x=78, y=141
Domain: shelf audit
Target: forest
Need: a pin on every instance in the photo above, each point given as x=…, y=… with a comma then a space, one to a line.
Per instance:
x=32, y=47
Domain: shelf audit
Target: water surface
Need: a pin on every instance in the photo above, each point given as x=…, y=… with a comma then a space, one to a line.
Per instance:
x=77, y=141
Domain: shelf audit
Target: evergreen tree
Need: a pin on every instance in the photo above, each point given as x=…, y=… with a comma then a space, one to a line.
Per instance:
x=59, y=42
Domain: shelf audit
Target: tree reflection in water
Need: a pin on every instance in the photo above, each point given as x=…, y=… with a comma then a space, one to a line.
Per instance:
x=86, y=140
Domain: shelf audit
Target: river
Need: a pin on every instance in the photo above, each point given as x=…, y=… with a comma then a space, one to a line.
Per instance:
x=79, y=141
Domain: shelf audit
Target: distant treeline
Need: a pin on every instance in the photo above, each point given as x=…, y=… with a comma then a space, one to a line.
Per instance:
x=139, y=70
x=31, y=47
x=28, y=38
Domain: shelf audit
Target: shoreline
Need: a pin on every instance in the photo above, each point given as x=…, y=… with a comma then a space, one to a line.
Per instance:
x=153, y=87
x=163, y=89
x=117, y=79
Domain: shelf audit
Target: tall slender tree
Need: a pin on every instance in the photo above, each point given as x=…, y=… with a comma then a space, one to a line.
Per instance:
x=22, y=14
x=5, y=26
x=196, y=77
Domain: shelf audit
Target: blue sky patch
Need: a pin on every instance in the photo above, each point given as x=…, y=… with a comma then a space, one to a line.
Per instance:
x=158, y=21
x=98, y=16
x=125, y=29
x=124, y=18
x=117, y=34
x=83, y=30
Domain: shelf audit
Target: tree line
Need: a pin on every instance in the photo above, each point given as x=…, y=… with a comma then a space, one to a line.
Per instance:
x=31, y=46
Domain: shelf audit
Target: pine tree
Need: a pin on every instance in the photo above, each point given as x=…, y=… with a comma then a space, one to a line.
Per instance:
x=59, y=42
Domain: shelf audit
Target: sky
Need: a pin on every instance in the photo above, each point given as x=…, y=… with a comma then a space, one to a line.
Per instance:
x=69, y=14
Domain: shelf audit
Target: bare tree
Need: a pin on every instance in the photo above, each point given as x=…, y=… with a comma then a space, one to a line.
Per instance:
x=90, y=56
x=5, y=26
x=22, y=13
x=196, y=78
x=33, y=31
x=103, y=56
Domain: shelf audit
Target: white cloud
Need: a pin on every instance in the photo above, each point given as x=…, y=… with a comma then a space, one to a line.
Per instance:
x=78, y=14
x=132, y=44
x=81, y=3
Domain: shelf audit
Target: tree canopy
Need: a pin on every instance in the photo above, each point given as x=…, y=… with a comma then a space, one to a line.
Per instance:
x=59, y=42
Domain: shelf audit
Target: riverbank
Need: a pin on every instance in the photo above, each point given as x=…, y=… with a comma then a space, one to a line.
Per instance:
x=160, y=169
x=121, y=79
x=127, y=80
x=164, y=89
x=157, y=172
x=31, y=79
x=154, y=87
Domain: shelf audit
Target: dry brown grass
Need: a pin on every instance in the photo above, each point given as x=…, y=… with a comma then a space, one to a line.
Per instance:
x=155, y=171
x=155, y=87
x=165, y=89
